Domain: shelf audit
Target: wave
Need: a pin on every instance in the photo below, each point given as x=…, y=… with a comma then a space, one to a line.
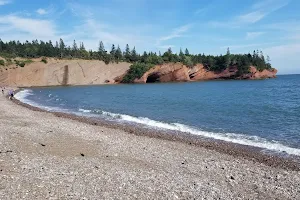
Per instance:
x=254, y=141
x=23, y=97
x=84, y=111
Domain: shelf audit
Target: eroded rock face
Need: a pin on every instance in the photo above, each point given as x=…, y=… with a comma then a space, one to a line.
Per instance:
x=177, y=72
x=262, y=75
x=171, y=72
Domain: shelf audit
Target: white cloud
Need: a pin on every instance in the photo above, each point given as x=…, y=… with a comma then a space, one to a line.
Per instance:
x=41, y=11
x=4, y=2
x=285, y=58
x=261, y=10
x=244, y=46
x=177, y=32
x=251, y=17
x=284, y=26
x=31, y=28
x=258, y=12
x=253, y=35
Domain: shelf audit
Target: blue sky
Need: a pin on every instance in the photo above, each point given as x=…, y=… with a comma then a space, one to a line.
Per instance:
x=203, y=26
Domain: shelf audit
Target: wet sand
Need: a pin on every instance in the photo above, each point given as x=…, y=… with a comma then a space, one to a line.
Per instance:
x=59, y=156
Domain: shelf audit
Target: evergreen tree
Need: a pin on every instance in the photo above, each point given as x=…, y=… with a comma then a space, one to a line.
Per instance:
x=228, y=51
x=82, y=47
x=127, y=53
x=118, y=54
x=187, y=53
x=37, y=48
x=74, y=49
x=134, y=56
x=144, y=57
x=113, y=52
x=61, y=48
x=101, y=51
x=181, y=55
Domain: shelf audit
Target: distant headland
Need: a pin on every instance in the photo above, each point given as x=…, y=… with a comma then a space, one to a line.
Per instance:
x=40, y=63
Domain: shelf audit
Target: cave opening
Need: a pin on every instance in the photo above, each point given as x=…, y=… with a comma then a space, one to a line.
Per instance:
x=153, y=78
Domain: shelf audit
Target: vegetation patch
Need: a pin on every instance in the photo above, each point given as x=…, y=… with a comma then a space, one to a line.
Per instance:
x=60, y=50
x=136, y=71
x=44, y=60
x=20, y=63
x=2, y=62
x=28, y=61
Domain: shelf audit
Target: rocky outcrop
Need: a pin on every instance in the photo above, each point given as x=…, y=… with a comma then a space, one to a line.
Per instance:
x=171, y=72
x=176, y=72
x=255, y=74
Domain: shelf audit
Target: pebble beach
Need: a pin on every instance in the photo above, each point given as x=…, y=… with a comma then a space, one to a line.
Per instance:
x=46, y=156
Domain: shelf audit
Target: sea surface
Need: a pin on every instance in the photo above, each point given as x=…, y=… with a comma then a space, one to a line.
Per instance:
x=260, y=113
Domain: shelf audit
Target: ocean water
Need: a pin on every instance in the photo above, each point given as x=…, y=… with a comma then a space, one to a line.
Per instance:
x=260, y=113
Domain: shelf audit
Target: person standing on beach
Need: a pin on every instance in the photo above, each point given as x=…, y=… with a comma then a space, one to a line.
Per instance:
x=11, y=94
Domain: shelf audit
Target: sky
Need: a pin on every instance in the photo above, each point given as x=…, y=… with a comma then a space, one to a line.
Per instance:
x=202, y=26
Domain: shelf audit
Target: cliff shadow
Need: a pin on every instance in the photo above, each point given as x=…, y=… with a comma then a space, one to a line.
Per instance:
x=153, y=78
x=65, y=79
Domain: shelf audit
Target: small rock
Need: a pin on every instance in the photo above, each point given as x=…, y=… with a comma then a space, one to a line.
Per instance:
x=231, y=177
x=82, y=154
x=42, y=144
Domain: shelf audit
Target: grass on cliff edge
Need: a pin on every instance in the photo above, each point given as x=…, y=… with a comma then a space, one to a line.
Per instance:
x=136, y=70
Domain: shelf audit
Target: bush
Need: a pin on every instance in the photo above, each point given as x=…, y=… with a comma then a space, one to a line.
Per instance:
x=28, y=61
x=44, y=60
x=188, y=61
x=2, y=62
x=136, y=70
x=20, y=63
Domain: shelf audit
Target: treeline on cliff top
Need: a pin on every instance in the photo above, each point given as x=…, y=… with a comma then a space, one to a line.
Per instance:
x=141, y=62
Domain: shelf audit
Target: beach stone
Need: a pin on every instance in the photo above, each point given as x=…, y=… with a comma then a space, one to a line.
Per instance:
x=131, y=172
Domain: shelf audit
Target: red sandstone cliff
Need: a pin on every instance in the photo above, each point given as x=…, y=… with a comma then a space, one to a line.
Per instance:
x=176, y=72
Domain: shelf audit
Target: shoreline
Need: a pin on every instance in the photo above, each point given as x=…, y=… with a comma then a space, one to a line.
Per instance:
x=53, y=156
x=250, y=153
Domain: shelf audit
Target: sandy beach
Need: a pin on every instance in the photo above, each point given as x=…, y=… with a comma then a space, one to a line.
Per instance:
x=43, y=156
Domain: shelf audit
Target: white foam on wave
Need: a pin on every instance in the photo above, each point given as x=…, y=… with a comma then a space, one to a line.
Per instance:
x=23, y=94
x=254, y=141
x=84, y=111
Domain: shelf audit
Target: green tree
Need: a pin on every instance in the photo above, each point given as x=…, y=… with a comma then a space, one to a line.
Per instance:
x=134, y=55
x=144, y=57
x=118, y=54
x=188, y=61
x=187, y=53
x=74, y=49
x=62, y=47
x=127, y=53
x=113, y=52
x=181, y=56
x=228, y=51
x=101, y=51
